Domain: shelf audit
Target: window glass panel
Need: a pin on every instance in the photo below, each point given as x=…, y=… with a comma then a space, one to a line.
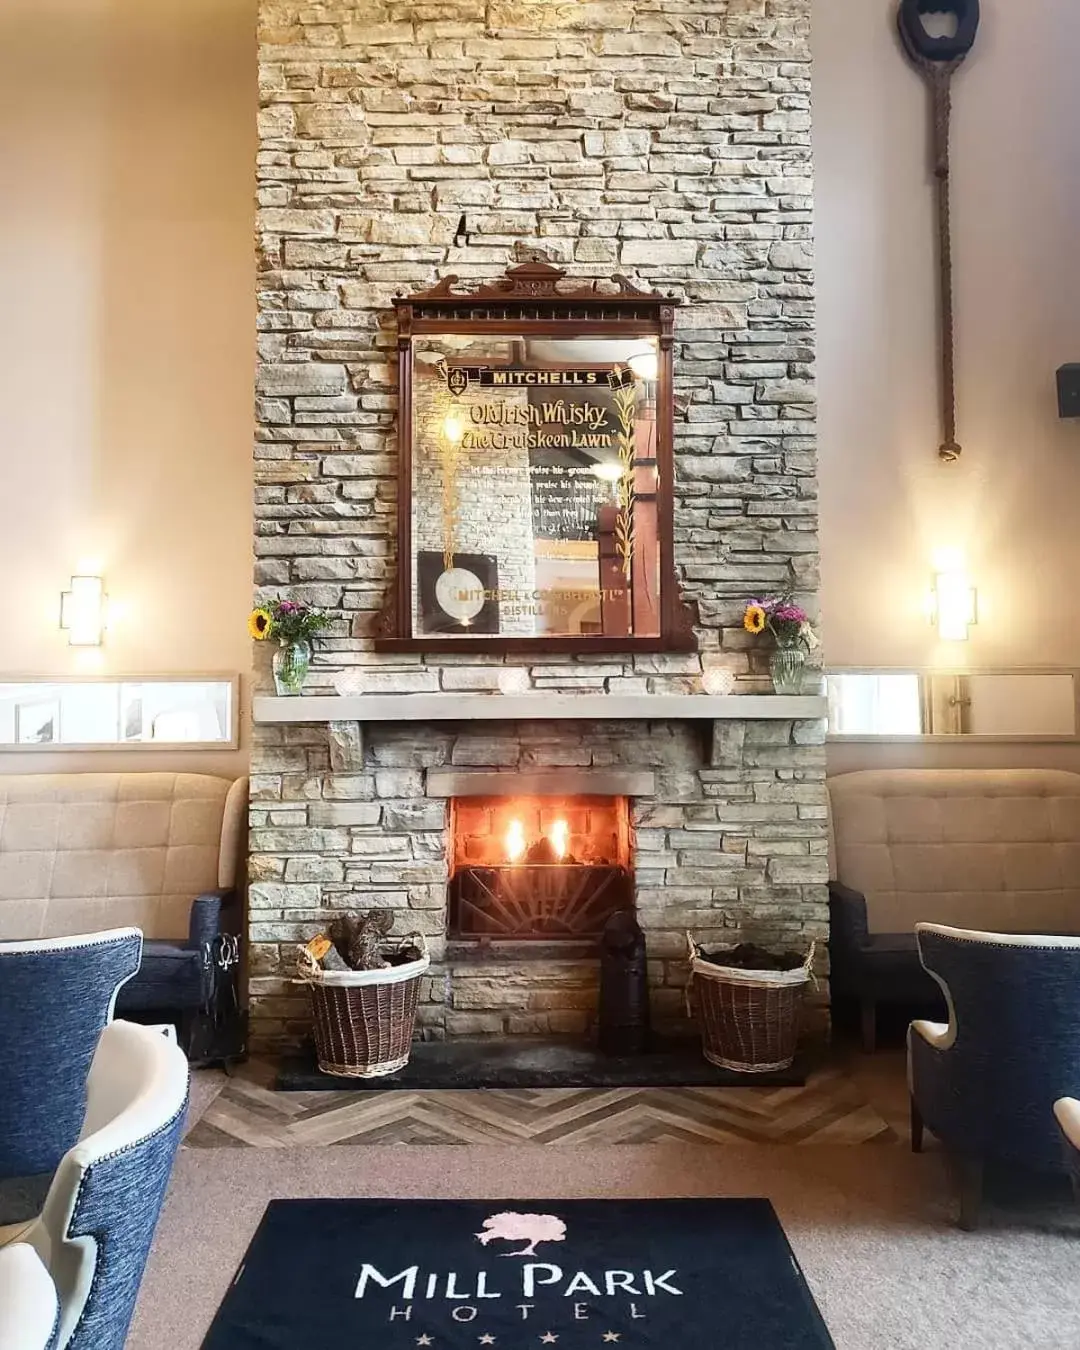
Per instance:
x=111, y=713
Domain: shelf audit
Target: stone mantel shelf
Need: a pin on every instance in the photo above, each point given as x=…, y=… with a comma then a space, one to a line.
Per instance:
x=538, y=707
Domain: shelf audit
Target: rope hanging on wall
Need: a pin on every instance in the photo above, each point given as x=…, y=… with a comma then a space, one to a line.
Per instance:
x=938, y=59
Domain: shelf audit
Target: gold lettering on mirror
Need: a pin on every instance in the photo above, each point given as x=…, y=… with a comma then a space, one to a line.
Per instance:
x=538, y=497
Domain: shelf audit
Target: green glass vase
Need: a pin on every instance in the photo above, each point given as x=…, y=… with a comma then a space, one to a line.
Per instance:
x=292, y=661
x=786, y=669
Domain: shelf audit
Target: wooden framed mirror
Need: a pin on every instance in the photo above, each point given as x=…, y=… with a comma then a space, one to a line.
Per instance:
x=535, y=469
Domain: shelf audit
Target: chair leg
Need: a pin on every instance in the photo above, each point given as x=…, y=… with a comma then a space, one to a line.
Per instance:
x=868, y=1011
x=970, y=1171
x=916, y=1128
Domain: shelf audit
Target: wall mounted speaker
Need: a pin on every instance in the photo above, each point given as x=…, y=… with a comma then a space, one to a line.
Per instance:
x=1068, y=384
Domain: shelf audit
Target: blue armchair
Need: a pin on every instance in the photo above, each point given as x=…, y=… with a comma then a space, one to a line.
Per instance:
x=94, y=1233
x=986, y=1082
x=57, y=996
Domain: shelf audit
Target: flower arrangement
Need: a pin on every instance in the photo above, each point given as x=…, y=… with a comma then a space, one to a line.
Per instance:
x=286, y=622
x=292, y=626
x=787, y=622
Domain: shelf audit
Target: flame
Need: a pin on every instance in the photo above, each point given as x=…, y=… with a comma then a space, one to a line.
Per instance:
x=515, y=841
x=560, y=838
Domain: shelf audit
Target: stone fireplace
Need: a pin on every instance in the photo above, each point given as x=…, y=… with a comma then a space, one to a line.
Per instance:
x=401, y=143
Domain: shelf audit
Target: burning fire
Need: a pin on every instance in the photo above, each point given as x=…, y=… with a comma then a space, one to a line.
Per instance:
x=516, y=844
x=515, y=841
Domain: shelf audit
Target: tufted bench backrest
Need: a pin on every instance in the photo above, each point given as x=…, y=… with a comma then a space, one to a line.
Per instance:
x=991, y=849
x=81, y=852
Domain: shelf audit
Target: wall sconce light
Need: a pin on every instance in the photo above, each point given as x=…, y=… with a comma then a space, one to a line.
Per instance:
x=953, y=603
x=84, y=610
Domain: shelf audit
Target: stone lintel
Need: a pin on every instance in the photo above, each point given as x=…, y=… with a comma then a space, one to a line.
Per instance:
x=567, y=782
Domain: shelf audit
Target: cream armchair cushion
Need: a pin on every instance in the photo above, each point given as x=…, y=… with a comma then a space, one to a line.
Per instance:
x=29, y=1306
x=984, y=849
x=83, y=852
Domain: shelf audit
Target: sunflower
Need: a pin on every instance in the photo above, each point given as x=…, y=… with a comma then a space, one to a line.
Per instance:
x=754, y=619
x=259, y=623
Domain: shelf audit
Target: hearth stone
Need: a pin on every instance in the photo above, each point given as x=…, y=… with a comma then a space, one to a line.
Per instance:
x=525, y=1062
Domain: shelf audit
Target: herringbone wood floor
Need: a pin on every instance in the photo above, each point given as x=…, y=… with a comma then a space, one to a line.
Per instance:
x=829, y=1109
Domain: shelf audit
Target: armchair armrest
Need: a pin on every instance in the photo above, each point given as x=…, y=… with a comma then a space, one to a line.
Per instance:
x=847, y=916
x=1067, y=1111
x=940, y=1035
x=212, y=913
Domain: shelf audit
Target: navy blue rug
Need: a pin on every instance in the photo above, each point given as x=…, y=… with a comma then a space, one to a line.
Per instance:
x=514, y=1275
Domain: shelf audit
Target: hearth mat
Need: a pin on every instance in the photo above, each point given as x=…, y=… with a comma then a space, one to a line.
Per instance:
x=830, y=1109
x=526, y=1063
x=514, y=1275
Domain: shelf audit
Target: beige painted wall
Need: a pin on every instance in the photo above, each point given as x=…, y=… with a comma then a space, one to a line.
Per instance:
x=126, y=266
x=1012, y=501
x=127, y=144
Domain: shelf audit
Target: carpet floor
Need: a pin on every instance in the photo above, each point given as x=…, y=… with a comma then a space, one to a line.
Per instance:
x=873, y=1229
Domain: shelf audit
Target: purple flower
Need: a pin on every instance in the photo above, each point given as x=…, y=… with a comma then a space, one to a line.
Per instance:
x=789, y=614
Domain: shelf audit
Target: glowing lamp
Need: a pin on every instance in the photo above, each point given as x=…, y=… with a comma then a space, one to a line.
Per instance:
x=718, y=680
x=953, y=602
x=83, y=611
x=453, y=427
x=645, y=363
x=513, y=680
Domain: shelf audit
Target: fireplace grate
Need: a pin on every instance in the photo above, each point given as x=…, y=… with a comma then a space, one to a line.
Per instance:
x=537, y=901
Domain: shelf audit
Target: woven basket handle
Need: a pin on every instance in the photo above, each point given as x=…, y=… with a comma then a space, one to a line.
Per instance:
x=419, y=941
x=691, y=955
x=808, y=964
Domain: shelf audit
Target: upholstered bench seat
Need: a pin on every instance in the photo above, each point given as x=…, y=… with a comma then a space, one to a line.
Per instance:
x=80, y=853
x=984, y=849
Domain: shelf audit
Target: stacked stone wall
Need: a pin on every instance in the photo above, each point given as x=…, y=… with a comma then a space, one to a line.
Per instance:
x=668, y=140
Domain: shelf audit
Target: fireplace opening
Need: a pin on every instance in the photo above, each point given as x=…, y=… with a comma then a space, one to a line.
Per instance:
x=550, y=868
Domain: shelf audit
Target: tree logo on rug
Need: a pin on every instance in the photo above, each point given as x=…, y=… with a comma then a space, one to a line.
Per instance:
x=527, y=1228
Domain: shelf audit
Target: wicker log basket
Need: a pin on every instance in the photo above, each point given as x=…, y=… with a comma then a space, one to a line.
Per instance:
x=749, y=1019
x=364, y=1019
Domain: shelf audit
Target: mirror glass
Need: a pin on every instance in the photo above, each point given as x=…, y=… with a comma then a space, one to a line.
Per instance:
x=944, y=703
x=106, y=713
x=534, y=479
